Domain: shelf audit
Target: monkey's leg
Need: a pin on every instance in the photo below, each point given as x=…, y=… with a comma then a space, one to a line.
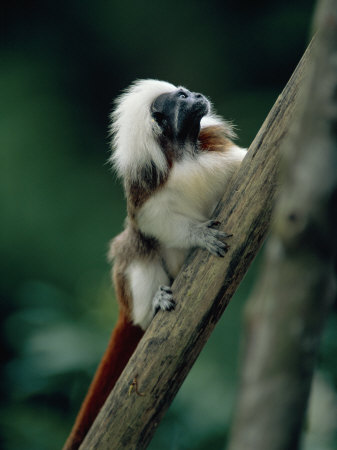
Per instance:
x=149, y=290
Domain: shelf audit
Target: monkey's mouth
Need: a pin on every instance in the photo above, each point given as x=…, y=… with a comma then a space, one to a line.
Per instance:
x=201, y=107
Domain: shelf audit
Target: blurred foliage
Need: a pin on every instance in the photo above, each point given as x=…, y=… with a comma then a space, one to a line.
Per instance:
x=62, y=63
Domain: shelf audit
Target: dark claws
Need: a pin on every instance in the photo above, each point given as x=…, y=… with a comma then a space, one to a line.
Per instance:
x=172, y=305
x=213, y=223
x=216, y=223
x=170, y=308
x=166, y=289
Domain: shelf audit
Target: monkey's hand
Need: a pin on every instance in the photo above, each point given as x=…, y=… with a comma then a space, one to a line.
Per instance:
x=163, y=300
x=208, y=237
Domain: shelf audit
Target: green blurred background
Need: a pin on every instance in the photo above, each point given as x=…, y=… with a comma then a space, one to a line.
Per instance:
x=61, y=65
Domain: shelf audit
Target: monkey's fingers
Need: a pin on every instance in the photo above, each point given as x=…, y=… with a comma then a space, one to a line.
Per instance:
x=216, y=223
x=216, y=247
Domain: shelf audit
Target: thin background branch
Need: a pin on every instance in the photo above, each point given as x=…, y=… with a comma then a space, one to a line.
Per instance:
x=287, y=311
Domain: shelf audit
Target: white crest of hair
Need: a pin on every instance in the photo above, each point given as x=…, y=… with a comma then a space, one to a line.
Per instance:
x=134, y=142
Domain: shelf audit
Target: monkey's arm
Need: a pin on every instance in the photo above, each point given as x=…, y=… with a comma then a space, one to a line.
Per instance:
x=176, y=230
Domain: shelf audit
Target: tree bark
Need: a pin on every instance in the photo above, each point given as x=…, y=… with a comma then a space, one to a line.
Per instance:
x=202, y=291
x=288, y=308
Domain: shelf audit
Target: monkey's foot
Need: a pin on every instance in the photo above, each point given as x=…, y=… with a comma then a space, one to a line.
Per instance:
x=209, y=238
x=163, y=300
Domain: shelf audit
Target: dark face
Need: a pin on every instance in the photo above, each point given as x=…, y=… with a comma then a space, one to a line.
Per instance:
x=178, y=114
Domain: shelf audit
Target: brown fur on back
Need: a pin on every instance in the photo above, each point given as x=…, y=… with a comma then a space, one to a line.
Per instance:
x=214, y=139
x=131, y=244
x=138, y=191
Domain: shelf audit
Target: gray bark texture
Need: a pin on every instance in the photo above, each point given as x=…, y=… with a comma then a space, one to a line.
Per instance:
x=285, y=316
x=202, y=291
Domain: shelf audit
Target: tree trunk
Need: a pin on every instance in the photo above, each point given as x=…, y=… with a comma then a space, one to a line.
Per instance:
x=202, y=290
x=287, y=311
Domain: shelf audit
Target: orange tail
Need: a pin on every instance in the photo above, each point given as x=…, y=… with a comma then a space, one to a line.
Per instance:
x=123, y=341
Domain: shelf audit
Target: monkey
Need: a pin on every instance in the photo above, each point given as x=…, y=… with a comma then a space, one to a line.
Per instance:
x=175, y=157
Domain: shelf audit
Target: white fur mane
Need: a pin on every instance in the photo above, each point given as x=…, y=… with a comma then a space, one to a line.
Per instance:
x=133, y=129
x=134, y=142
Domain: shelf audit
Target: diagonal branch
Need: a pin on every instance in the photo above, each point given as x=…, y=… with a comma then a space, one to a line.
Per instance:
x=202, y=290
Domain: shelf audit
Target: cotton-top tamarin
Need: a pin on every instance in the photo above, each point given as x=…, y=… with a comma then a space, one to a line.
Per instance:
x=174, y=157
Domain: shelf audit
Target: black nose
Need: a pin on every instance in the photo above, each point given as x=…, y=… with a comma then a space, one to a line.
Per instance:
x=200, y=103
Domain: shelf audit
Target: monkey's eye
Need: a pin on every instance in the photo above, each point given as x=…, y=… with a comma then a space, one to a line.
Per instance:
x=182, y=95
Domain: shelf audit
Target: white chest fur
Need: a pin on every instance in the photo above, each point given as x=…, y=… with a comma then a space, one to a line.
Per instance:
x=196, y=184
x=193, y=189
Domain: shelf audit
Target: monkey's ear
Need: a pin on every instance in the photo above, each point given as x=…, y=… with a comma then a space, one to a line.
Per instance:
x=158, y=117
